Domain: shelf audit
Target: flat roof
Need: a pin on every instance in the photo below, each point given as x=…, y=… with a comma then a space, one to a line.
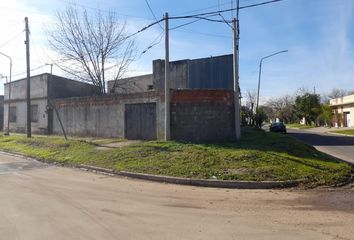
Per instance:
x=342, y=100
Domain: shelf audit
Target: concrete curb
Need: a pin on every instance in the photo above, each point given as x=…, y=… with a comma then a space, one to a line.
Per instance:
x=198, y=182
x=173, y=180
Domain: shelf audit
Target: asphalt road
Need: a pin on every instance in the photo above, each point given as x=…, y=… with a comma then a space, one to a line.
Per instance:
x=341, y=147
x=43, y=202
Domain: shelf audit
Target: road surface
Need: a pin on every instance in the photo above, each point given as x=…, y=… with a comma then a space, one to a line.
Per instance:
x=44, y=202
x=338, y=146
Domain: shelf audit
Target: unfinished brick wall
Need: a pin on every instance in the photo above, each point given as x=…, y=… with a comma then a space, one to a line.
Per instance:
x=202, y=115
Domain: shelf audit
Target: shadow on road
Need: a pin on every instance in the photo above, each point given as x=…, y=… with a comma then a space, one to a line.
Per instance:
x=323, y=140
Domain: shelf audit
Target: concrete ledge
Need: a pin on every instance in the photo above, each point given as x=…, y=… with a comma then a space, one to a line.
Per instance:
x=199, y=182
x=340, y=134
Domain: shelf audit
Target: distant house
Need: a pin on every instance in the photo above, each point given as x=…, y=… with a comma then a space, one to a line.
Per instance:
x=343, y=109
x=44, y=88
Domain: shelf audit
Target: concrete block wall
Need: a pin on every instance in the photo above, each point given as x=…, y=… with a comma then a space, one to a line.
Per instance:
x=39, y=127
x=103, y=116
x=60, y=87
x=39, y=89
x=131, y=84
x=202, y=115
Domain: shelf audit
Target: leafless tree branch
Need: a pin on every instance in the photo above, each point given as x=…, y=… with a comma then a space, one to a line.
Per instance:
x=90, y=43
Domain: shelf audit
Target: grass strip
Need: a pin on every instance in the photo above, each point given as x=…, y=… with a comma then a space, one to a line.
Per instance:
x=259, y=156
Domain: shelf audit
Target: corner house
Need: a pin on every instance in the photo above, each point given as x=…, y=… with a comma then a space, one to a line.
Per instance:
x=343, y=109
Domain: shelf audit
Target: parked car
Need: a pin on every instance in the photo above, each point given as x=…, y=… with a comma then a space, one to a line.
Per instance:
x=278, y=127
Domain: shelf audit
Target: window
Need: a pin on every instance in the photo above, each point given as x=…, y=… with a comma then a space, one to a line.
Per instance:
x=12, y=114
x=34, y=113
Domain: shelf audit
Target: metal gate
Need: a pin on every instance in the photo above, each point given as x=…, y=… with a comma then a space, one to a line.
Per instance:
x=140, y=121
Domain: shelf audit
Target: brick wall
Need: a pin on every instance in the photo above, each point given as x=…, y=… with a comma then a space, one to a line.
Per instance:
x=202, y=115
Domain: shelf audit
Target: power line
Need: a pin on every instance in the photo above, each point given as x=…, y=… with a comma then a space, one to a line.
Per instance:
x=225, y=10
x=259, y=4
x=33, y=69
x=152, y=12
x=185, y=24
x=35, y=48
x=206, y=8
x=201, y=17
x=97, y=9
x=144, y=28
x=227, y=23
x=154, y=43
x=11, y=39
x=203, y=33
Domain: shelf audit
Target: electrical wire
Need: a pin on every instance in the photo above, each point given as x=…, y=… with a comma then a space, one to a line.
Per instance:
x=154, y=43
x=144, y=28
x=226, y=22
x=35, y=48
x=225, y=10
x=258, y=4
x=185, y=24
x=11, y=39
x=200, y=18
x=31, y=70
x=202, y=33
x=107, y=11
x=206, y=8
x=152, y=12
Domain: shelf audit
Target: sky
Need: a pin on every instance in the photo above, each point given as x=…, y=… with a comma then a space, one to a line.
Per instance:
x=319, y=35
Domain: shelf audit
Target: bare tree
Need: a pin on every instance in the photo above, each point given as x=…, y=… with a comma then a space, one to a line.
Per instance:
x=92, y=47
x=333, y=94
x=251, y=98
x=283, y=108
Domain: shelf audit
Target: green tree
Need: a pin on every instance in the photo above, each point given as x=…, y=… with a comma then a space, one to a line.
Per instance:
x=260, y=117
x=246, y=115
x=326, y=115
x=308, y=106
x=283, y=108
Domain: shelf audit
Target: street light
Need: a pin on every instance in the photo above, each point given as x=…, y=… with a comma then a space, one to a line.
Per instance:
x=2, y=77
x=260, y=73
x=9, y=101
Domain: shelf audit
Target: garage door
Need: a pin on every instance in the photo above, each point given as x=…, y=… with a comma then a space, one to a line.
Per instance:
x=140, y=121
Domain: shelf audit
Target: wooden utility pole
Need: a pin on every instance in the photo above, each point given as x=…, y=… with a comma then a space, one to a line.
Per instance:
x=167, y=81
x=28, y=87
x=236, y=79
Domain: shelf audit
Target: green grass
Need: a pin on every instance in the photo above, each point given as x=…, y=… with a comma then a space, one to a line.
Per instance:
x=258, y=156
x=299, y=126
x=346, y=132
